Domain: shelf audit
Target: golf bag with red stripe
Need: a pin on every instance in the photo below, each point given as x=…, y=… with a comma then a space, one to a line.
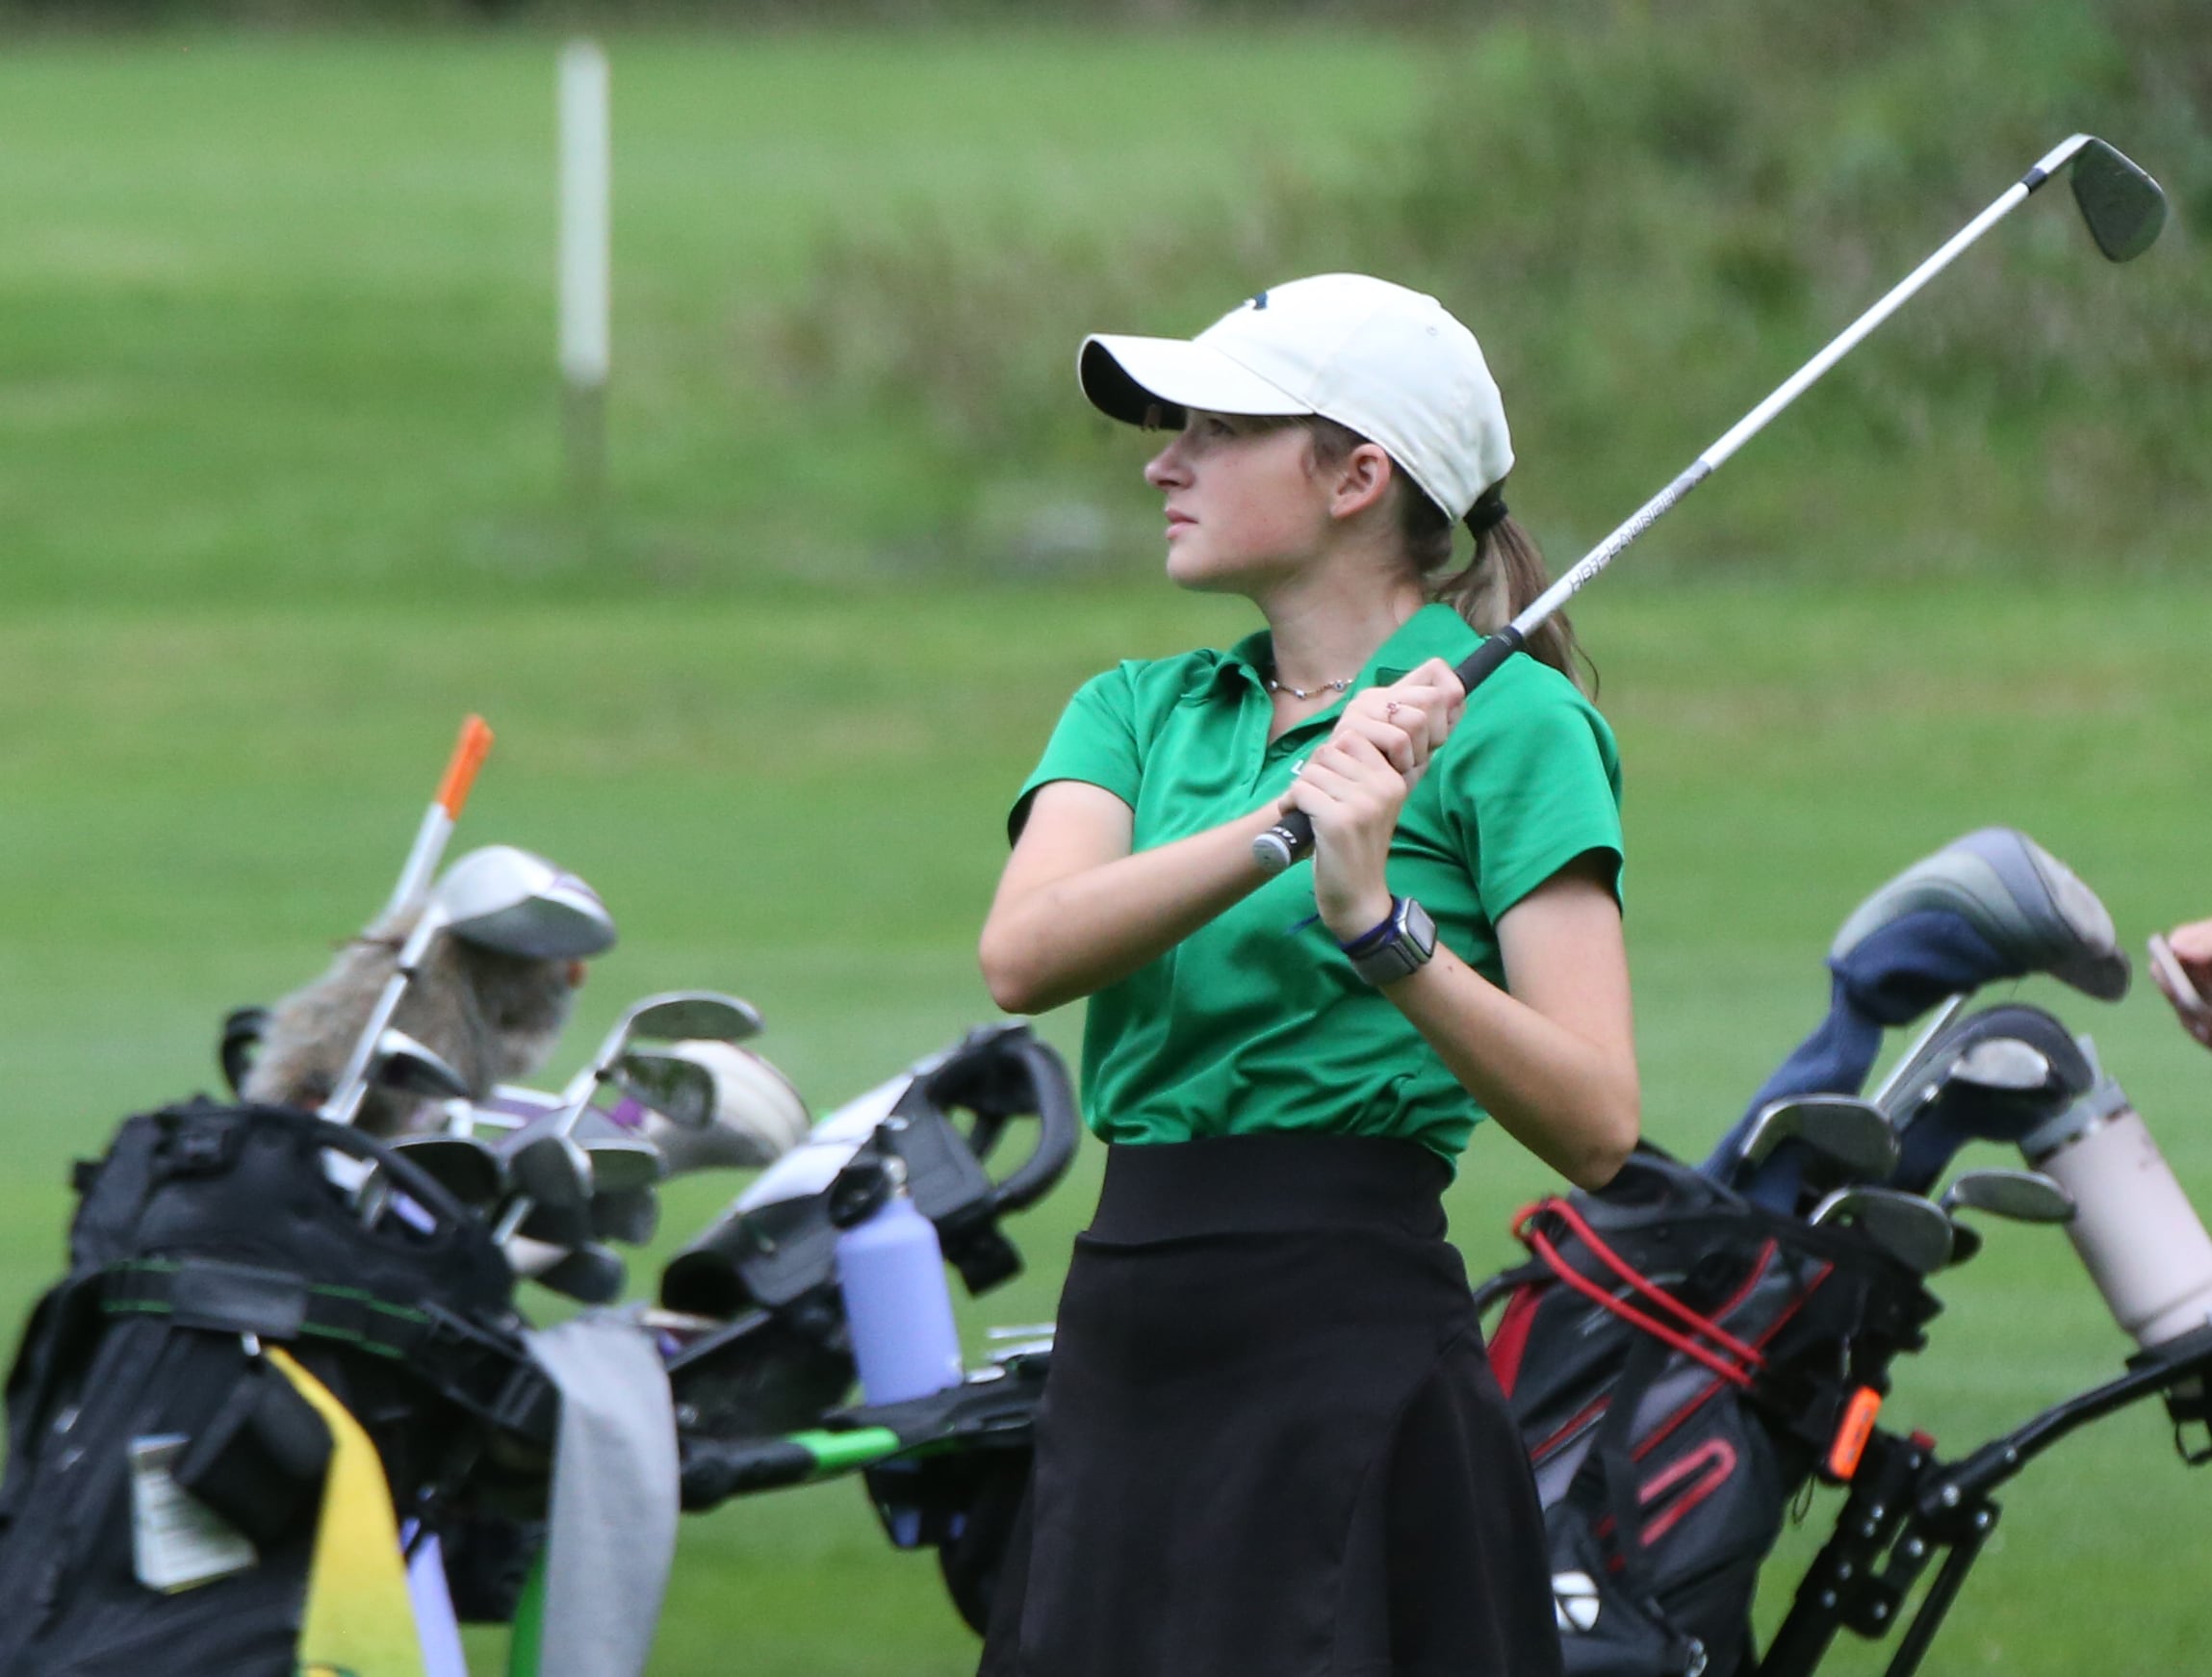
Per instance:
x=1679, y=1362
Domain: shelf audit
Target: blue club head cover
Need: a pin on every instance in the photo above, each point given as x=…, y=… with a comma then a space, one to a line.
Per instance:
x=1992, y=905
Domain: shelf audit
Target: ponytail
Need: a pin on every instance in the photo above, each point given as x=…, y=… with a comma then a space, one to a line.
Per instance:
x=1503, y=579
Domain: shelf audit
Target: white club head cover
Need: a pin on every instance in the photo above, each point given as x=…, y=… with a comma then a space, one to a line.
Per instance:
x=759, y=1115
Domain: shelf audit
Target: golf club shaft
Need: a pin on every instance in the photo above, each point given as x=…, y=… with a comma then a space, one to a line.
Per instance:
x=438, y=820
x=1291, y=838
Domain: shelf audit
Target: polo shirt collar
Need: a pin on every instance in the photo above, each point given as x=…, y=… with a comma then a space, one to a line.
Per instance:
x=1435, y=631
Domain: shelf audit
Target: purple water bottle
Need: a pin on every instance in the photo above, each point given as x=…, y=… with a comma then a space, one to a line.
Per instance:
x=898, y=1307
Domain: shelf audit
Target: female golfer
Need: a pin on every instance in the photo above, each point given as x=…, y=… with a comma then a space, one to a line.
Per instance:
x=1271, y=1445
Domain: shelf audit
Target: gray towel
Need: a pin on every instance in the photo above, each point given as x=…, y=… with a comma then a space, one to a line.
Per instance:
x=614, y=1496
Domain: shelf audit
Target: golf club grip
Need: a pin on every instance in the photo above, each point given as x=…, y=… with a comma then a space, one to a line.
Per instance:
x=469, y=754
x=1291, y=838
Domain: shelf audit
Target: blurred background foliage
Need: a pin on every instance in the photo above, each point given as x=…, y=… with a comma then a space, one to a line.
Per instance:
x=1649, y=213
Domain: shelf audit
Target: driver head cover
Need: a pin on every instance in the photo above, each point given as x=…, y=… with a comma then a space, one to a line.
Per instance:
x=2030, y=905
x=1389, y=363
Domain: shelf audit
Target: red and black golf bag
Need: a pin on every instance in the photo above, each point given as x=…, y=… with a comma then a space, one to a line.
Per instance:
x=1679, y=1362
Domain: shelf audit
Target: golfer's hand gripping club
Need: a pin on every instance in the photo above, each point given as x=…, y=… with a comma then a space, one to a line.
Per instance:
x=1291, y=838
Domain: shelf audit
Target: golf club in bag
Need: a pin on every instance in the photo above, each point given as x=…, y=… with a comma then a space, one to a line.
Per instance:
x=1683, y=1359
x=2124, y=210
x=832, y=1265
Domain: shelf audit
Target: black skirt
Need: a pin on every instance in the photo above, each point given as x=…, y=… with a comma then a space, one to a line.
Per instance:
x=1270, y=1444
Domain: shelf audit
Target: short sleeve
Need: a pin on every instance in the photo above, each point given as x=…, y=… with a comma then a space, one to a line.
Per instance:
x=1539, y=786
x=1096, y=740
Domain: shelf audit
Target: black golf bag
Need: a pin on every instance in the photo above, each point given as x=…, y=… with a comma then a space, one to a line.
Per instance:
x=1679, y=1362
x=206, y=1235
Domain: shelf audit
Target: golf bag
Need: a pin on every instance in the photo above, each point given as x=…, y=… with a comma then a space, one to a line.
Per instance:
x=1678, y=1361
x=781, y=1361
x=207, y=1236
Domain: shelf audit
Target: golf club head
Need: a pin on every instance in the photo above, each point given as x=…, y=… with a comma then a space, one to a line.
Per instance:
x=552, y=1169
x=757, y=1115
x=558, y=1225
x=2016, y=1196
x=2004, y=1065
x=1978, y=1083
x=592, y=1275
x=2122, y=205
x=680, y=1089
x=2032, y=909
x=678, y=1014
x=631, y=1216
x=1809, y=1142
x=402, y=1063
x=622, y=1164
x=1914, y=1232
x=1965, y=1244
x=463, y=1166
x=519, y=904
x=1842, y=1128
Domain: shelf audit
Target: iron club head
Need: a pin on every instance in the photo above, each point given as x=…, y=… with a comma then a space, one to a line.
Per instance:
x=2124, y=208
x=1913, y=1230
x=2016, y=1196
x=401, y=1062
x=679, y=1090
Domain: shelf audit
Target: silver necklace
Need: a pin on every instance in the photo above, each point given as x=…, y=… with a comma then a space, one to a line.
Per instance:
x=1275, y=687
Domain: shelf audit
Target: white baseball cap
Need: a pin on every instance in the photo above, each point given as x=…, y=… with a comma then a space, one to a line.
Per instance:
x=1391, y=364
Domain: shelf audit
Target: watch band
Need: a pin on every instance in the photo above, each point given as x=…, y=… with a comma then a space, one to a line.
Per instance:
x=1401, y=946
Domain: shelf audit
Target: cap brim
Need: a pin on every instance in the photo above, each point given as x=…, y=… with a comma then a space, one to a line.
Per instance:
x=1127, y=378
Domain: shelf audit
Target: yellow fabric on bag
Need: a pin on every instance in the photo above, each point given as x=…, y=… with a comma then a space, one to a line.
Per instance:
x=359, y=1620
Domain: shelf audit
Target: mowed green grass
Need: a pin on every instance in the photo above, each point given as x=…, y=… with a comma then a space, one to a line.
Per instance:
x=801, y=801
x=279, y=503
x=277, y=317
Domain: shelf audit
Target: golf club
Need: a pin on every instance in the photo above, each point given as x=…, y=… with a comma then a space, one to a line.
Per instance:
x=462, y=1165
x=681, y=1089
x=1914, y=1232
x=1994, y=1076
x=755, y=1116
x=498, y=899
x=2016, y=1196
x=631, y=1216
x=440, y=818
x=545, y=1161
x=2033, y=912
x=399, y=1063
x=2125, y=210
x=591, y=1275
x=1820, y=1135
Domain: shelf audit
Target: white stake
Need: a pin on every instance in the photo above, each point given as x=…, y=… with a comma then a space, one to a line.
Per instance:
x=585, y=238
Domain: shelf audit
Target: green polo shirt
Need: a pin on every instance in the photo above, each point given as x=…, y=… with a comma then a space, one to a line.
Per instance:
x=1256, y=1021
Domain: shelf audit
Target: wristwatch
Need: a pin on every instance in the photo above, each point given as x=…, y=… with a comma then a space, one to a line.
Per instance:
x=1402, y=945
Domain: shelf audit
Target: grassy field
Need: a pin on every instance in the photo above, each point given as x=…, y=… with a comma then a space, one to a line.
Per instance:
x=279, y=502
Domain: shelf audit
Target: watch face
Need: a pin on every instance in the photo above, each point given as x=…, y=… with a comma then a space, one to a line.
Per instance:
x=1411, y=941
x=1420, y=928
